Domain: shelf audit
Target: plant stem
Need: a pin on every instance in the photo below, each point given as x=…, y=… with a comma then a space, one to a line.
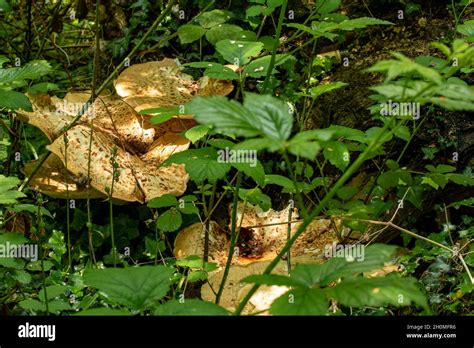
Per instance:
x=233, y=237
x=299, y=197
x=275, y=47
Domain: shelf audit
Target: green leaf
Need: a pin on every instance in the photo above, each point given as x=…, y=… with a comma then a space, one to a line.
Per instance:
x=201, y=164
x=347, y=133
x=327, y=6
x=347, y=192
x=345, y=262
x=53, y=291
x=256, y=197
x=21, y=276
x=254, y=170
x=166, y=200
x=253, y=11
x=337, y=154
x=224, y=115
x=461, y=179
x=14, y=100
x=31, y=208
x=394, y=68
x=30, y=71
x=259, y=144
x=238, y=52
x=221, y=72
x=197, y=132
x=469, y=202
x=393, y=178
x=430, y=182
x=190, y=307
x=467, y=28
x=229, y=32
x=8, y=195
x=279, y=180
x=259, y=115
x=301, y=301
x=275, y=120
x=32, y=304
x=307, y=143
x=169, y=221
x=376, y=292
x=215, y=17
x=135, y=287
x=4, y=6
x=259, y=67
x=189, y=33
x=103, y=312
x=403, y=133
x=43, y=87
x=325, y=88
x=360, y=23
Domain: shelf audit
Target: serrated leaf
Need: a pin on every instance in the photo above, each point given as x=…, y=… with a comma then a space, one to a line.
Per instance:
x=393, y=178
x=326, y=6
x=461, y=179
x=31, y=71
x=259, y=115
x=307, y=143
x=403, y=133
x=467, y=28
x=376, y=292
x=166, y=200
x=337, y=154
x=14, y=100
x=254, y=170
x=201, y=164
x=134, y=287
x=275, y=120
x=344, y=263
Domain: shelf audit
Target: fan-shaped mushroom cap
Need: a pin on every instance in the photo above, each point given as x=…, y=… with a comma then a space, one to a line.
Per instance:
x=141, y=148
x=265, y=237
x=45, y=116
x=137, y=180
x=54, y=180
x=161, y=84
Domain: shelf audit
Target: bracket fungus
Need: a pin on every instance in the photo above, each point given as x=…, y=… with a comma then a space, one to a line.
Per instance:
x=262, y=235
x=161, y=84
x=112, y=141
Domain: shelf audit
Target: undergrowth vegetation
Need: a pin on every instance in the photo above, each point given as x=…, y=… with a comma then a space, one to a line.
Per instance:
x=219, y=185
